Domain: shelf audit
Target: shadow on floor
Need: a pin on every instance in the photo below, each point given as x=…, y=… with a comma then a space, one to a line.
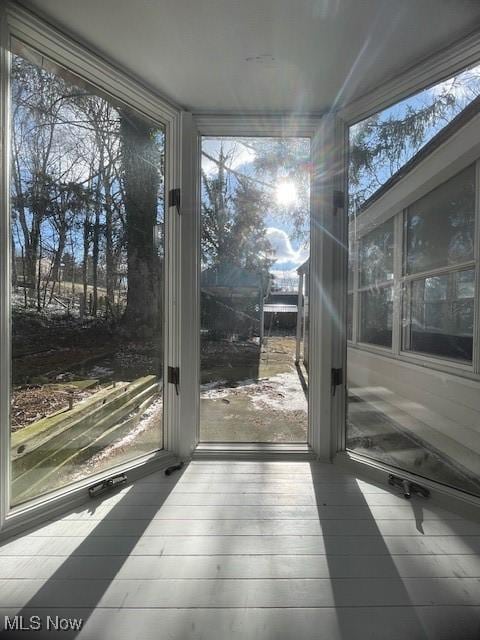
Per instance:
x=376, y=603
x=101, y=552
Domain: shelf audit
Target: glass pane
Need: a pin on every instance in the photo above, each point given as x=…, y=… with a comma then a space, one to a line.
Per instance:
x=440, y=315
x=376, y=316
x=87, y=198
x=440, y=226
x=420, y=415
x=255, y=236
x=376, y=255
x=383, y=143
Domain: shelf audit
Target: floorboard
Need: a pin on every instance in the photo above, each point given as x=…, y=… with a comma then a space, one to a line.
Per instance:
x=265, y=550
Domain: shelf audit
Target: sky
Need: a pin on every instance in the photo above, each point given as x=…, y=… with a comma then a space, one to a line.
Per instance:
x=465, y=86
x=289, y=252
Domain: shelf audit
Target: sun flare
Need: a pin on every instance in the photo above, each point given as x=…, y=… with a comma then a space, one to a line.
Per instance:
x=285, y=193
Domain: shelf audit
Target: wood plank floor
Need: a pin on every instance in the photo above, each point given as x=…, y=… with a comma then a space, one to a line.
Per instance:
x=249, y=550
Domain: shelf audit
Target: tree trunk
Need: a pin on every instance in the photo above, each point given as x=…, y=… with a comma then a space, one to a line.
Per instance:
x=95, y=254
x=57, y=261
x=86, y=247
x=14, y=265
x=140, y=165
x=109, y=256
x=39, y=279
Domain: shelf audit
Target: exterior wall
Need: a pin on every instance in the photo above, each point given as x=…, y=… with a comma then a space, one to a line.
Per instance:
x=441, y=409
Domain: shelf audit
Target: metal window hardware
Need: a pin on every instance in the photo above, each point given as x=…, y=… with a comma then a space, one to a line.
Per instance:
x=174, y=199
x=408, y=487
x=336, y=379
x=174, y=467
x=106, y=485
x=173, y=377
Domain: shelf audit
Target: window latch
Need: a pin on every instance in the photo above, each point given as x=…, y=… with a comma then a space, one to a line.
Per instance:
x=174, y=377
x=106, y=485
x=336, y=379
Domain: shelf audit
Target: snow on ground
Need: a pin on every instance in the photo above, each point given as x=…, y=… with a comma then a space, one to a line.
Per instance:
x=281, y=392
x=151, y=419
x=100, y=372
x=211, y=389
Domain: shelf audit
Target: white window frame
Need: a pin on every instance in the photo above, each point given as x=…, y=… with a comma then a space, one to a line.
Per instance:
x=22, y=25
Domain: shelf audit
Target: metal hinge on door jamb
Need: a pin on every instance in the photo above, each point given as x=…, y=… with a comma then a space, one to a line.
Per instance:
x=174, y=199
x=336, y=379
x=173, y=377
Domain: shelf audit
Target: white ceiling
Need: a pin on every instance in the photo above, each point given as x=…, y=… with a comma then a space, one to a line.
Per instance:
x=312, y=53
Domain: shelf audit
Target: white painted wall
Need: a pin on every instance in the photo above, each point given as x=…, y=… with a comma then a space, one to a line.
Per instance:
x=441, y=408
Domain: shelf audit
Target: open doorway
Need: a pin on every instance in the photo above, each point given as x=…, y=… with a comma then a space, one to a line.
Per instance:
x=255, y=237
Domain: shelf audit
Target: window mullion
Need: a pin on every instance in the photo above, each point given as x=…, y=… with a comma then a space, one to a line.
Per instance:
x=356, y=308
x=440, y=271
x=397, y=291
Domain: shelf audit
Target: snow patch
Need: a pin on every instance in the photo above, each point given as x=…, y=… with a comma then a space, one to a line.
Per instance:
x=281, y=392
x=100, y=372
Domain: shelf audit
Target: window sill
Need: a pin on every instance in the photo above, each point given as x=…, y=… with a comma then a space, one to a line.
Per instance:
x=426, y=362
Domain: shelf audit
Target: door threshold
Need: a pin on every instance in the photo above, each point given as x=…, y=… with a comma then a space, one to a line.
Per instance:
x=253, y=451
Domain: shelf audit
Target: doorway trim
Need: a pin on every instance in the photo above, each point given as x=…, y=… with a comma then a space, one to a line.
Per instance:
x=325, y=179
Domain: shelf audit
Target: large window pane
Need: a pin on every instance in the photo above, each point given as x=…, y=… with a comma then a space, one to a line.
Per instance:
x=382, y=144
x=416, y=407
x=440, y=226
x=376, y=255
x=440, y=315
x=376, y=316
x=87, y=203
x=255, y=237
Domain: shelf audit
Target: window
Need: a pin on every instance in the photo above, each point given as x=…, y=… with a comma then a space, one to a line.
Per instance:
x=440, y=315
x=255, y=235
x=376, y=292
x=376, y=307
x=414, y=291
x=376, y=255
x=439, y=236
x=440, y=226
x=87, y=212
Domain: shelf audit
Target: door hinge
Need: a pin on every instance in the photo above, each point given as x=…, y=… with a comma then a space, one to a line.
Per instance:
x=336, y=379
x=338, y=201
x=174, y=377
x=174, y=199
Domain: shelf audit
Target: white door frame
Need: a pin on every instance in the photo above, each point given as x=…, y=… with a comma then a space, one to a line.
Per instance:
x=19, y=23
x=325, y=149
